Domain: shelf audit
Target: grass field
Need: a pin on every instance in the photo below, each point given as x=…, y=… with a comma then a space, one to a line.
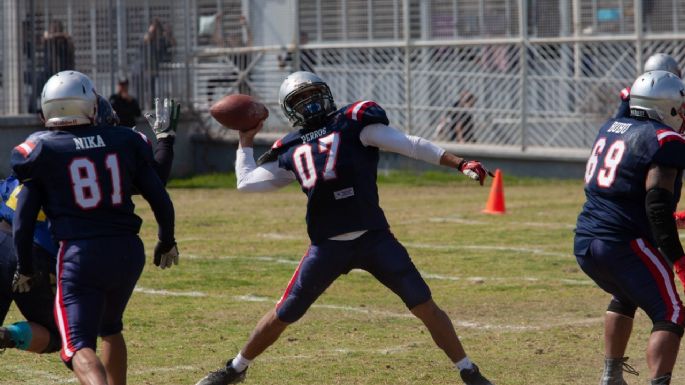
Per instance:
x=525, y=312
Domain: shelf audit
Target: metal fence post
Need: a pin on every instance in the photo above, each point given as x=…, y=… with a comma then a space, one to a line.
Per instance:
x=407, y=66
x=523, y=69
x=639, y=36
x=296, y=38
x=186, y=6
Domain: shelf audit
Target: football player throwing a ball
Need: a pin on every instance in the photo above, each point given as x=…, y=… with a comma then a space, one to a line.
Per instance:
x=334, y=157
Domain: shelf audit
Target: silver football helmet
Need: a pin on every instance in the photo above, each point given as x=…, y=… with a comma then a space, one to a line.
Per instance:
x=305, y=99
x=68, y=99
x=662, y=62
x=659, y=95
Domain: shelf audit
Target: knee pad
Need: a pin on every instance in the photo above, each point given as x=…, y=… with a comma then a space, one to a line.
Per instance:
x=54, y=345
x=21, y=334
x=618, y=307
x=668, y=326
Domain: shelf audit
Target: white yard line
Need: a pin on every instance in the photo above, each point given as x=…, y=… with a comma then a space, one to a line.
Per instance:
x=443, y=247
x=169, y=293
x=457, y=323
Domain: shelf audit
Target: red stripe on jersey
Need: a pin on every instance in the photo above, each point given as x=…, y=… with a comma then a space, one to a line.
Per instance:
x=665, y=136
x=663, y=275
x=292, y=280
x=25, y=148
x=350, y=110
x=625, y=93
x=277, y=143
x=365, y=105
x=60, y=311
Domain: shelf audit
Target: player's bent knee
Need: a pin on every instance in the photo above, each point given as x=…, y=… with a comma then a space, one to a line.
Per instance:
x=668, y=326
x=622, y=309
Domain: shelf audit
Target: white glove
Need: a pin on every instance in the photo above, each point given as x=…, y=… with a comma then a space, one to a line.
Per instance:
x=165, y=119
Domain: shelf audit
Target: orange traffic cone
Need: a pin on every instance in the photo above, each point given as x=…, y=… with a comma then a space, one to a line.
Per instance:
x=495, y=203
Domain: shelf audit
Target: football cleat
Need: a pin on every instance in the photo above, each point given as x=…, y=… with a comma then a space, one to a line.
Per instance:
x=473, y=377
x=5, y=340
x=224, y=376
x=613, y=371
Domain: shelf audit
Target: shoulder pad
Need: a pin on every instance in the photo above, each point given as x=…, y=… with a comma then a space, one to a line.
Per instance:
x=671, y=150
x=24, y=156
x=625, y=94
x=366, y=112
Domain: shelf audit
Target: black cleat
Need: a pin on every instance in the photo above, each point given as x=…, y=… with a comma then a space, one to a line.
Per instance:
x=5, y=340
x=224, y=376
x=473, y=377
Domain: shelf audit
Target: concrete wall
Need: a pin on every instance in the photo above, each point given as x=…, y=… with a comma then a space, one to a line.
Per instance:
x=198, y=151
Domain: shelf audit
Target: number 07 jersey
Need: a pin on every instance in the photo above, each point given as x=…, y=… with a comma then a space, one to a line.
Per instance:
x=615, y=178
x=337, y=172
x=87, y=176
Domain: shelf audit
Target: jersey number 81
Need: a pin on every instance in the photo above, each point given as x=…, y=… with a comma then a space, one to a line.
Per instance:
x=85, y=185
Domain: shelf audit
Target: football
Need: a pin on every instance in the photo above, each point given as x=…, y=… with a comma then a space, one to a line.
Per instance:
x=239, y=112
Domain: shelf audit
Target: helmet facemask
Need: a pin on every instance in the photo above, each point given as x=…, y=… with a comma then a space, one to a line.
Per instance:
x=309, y=105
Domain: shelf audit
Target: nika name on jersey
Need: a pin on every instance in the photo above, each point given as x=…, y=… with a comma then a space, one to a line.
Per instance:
x=89, y=142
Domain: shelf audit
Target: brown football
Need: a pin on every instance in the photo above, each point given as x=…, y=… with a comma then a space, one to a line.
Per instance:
x=239, y=112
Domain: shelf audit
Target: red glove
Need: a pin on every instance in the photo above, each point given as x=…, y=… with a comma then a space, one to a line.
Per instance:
x=474, y=170
x=679, y=267
x=679, y=219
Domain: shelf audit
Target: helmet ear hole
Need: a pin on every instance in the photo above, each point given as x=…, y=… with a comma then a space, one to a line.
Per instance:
x=674, y=112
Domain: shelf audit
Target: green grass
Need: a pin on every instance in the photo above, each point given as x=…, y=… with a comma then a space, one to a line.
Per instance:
x=524, y=310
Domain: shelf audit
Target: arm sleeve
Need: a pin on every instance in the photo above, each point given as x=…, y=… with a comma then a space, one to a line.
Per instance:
x=164, y=157
x=253, y=178
x=24, y=224
x=152, y=189
x=393, y=140
x=660, y=207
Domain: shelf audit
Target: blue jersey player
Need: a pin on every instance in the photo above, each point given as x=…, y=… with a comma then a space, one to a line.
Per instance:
x=39, y=333
x=334, y=157
x=83, y=176
x=626, y=238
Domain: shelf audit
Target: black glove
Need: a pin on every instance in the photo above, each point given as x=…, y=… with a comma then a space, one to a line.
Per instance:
x=166, y=254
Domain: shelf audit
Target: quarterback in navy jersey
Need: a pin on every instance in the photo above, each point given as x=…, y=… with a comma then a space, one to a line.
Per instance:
x=39, y=333
x=334, y=158
x=626, y=238
x=83, y=176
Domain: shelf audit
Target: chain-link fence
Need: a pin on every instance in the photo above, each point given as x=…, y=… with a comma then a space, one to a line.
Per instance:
x=522, y=73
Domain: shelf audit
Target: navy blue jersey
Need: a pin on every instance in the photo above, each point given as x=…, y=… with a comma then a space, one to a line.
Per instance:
x=337, y=172
x=85, y=177
x=615, y=179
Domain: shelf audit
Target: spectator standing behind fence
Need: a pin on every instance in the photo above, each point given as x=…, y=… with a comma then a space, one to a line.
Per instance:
x=157, y=44
x=125, y=105
x=458, y=125
x=237, y=63
x=58, y=50
x=307, y=58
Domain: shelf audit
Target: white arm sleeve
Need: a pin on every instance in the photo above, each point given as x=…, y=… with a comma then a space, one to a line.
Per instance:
x=393, y=140
x=267, y=177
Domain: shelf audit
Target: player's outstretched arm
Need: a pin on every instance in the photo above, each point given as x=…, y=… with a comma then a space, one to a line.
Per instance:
x=163, y=123
x=393, y=140
x=152, y=189
x=24, y=224
x=253, y=178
